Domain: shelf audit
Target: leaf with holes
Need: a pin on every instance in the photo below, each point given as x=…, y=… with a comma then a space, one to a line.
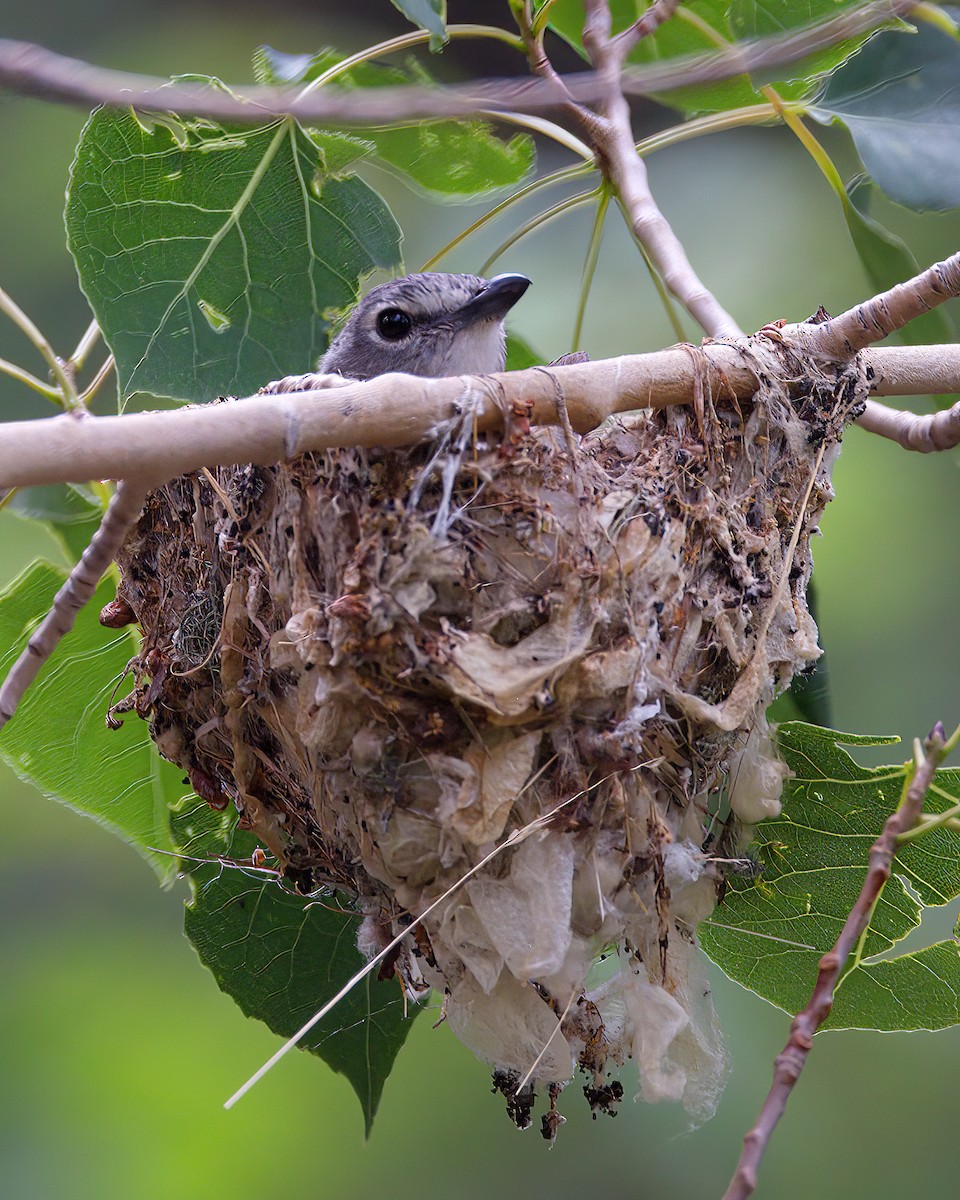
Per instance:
x=213, y=257
x=457, y=160
x=769, y=934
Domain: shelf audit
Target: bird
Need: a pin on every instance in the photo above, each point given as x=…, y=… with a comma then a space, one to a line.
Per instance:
x=431, y=324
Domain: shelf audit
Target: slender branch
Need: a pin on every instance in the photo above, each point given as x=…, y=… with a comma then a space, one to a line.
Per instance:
x=925, y=432
x=122, y=511
x=397, y=410
x=613, y=140
x=658, y=12
x=790, y=1062
x=31, y=70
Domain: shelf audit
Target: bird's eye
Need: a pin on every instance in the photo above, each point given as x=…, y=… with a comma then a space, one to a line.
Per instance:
x=393, y=324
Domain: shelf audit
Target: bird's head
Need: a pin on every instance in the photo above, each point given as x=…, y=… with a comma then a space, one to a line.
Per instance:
x=429, y=324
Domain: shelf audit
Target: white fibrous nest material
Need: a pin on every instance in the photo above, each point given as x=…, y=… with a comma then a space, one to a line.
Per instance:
x=396, y=662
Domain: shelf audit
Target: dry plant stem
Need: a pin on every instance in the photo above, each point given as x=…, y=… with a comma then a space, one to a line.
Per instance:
x=612, y=137
x=33, y=71
x=789, y=1063
x=122, y=512
x=400, y=410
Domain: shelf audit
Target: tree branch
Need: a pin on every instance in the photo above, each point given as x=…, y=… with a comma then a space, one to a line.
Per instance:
x=398, y=410
x=618, y=158
x=839, y=338
x=122, y=512
x=790, y=1062
x=31, y=70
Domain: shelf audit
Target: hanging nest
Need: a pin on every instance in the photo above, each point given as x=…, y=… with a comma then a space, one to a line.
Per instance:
x=394, y=663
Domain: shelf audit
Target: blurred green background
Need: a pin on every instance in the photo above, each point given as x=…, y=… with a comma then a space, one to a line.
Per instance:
x=118, y=1051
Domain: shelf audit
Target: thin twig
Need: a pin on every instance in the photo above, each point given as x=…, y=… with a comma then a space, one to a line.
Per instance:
x=925, y=432
x=609, y=132
x=123, y=509
x=612, y=136
x=790, y=1062
x=658, y=12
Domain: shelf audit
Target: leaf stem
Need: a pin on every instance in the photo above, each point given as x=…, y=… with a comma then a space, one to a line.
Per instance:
x=542, y=218
x=67, y=389
x=515, y=198
x=24, y=376
x=97, y=382
x=407, y=41
x=563, y=137
x=590, y=263
x=666, y=299
x=90, y=338
x=790, y=115
x=935, y=15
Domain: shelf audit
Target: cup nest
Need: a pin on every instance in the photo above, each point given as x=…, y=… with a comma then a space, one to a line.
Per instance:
x=396, y=662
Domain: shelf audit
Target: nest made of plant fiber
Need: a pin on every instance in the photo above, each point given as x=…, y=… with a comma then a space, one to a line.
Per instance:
x=393, y=663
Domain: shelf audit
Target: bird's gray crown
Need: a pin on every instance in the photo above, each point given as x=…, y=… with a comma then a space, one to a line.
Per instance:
x=428, y=324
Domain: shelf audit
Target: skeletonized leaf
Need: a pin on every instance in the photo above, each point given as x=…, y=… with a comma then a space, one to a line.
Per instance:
x=770, y=934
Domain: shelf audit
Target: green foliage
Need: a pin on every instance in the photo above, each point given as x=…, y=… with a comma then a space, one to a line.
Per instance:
x=216, y=259
x=70, y=510
x=211, y=257
x=58, y=739
x=452, y=160
x=430, y=15
x=770, y=933
x=281, y=956
x=702, y=26
x=887, y=260
x=899, y=99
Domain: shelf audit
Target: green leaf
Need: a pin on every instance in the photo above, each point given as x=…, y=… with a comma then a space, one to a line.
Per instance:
x=900, y=101
x=71, y=511
x=888, y=260
x=702, y=25
x=457, y=160
x=770, y=934
x=521, y=355
x=58, y=739
x=212, y=256
x=281, y=957
x=430, y=15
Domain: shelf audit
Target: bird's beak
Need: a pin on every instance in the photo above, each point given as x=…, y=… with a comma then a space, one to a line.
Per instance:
x=495, y=301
